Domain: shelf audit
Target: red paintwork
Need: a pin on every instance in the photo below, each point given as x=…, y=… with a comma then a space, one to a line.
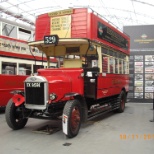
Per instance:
x=95, y=19
x=42, y=27
x=83, y=25
x=111, y=84
x=18, y=99
x=63, y=81
x=9, y=83
x=79, y=24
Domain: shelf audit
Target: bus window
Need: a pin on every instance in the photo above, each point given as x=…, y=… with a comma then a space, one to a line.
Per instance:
x=90, y=61
x=24, y=69
x=127, y=68
x=116, y=66
x=36, y=67
x=124, y=67
x=9, y=68
x=105, y=51
x=105, y=64
x=120, y=66
x=112, y=64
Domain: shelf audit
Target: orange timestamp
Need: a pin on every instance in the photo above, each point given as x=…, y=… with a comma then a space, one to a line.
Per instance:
x=136, y=136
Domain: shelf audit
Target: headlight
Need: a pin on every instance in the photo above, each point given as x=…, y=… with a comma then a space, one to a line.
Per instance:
x=53, y=96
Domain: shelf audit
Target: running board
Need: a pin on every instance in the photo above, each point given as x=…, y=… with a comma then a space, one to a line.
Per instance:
x=100, y=113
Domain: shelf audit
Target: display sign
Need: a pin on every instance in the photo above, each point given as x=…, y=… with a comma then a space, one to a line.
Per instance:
x=61, y=26
x=141, y=37
x=109, y=35
x=51, y=39
x=60, y=13
x=13, y=46
x=142, y=78
x=141, y=62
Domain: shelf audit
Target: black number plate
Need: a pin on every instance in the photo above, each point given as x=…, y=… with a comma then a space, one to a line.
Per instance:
x=51, y=39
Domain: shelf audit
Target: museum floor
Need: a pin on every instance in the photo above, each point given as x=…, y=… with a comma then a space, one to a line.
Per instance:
x=130, y=132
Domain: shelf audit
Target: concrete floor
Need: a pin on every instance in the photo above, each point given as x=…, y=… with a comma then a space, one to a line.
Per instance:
x=130, y=132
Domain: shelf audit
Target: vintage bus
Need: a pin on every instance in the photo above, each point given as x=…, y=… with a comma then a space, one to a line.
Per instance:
x=16, y=63
x=93, y=77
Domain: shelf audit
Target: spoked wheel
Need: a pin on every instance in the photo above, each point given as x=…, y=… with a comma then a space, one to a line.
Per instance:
x=14, y=116
x=72, y=112
x=122, y=99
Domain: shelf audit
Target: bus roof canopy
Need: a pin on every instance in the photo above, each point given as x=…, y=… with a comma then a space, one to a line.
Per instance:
x=66, y=46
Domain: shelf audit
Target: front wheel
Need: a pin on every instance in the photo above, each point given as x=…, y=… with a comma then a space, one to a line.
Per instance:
x=72, y=118
x=14, y=116
x=122, y=101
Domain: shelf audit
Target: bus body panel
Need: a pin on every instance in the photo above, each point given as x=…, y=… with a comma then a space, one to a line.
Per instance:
x=64, y=80
x=42, y=26
x=113, y=35
x=9, y=83
x=78, y=24
x=84, y=24
x=111, y=84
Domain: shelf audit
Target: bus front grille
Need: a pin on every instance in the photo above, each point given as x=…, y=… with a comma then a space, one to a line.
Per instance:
x=35, y=93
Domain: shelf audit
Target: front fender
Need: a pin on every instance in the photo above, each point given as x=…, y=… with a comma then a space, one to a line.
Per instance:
x=18, y=99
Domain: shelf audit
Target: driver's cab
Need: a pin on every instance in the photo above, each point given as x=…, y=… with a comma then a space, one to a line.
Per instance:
x=72, y=52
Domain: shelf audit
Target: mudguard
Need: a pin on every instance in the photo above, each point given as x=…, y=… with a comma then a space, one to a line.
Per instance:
x=18, y=99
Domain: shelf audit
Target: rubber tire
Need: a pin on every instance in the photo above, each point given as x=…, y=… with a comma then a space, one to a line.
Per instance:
x=11, y=116
x=122, y=101
x=69, y=107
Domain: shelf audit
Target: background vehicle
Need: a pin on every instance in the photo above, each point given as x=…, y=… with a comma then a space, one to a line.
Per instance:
x=92, y=77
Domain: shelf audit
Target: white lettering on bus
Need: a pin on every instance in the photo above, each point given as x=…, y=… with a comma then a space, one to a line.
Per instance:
x=33, y=84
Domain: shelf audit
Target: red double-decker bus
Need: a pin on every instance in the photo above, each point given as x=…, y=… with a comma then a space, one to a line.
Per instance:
x=93, y=74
